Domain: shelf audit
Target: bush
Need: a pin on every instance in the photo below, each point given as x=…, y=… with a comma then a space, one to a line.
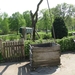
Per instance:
x=28, y=37
x=46, y=36
x=59, y=28
x=27, y=48
x=14, y=37
x=67, y=44
x=4, y=37
x=36, y=37
x=0, y=32
x=70, y=34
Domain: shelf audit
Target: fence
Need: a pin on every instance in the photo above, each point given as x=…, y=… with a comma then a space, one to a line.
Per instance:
x=12, y=50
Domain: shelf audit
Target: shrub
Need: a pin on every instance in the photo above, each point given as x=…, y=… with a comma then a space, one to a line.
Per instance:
x=13, y=37
x=0, y=32
x=67, y=44
x=27, y=48
x=59, y=28
x=36, y=37
x=28, y=37
x=70, y=34
x=4, y=37
x=46, y=36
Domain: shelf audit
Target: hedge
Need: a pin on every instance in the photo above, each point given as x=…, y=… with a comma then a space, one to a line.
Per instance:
x=67, y=44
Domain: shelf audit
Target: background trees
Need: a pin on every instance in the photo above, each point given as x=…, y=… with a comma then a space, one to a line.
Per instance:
x=27, y=18
x=46, y=20
x=67, y=12
x=16, y=21
x=4, y=25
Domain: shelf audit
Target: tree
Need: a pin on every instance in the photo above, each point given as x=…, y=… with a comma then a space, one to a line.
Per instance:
x=0, y=24
x=59, y=28
x=40, y=24
x=16, y=21
x=46, y=20
x=66, y=11
x=56, y=11
x=34, y=18
x=4, y=24
x=27, y=18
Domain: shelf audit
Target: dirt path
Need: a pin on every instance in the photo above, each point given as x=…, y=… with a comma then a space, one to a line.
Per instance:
x=67, y=67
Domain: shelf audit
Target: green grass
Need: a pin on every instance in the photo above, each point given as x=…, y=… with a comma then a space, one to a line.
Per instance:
x=41, y=32
x=9, y=37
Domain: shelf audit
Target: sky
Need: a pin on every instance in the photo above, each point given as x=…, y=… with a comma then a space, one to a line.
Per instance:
x=12, y=6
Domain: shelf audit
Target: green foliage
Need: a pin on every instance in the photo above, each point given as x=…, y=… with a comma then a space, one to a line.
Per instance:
x=11, y=38
x=27, y=48
x=16, y=21
x=46, y=36
x=28, y=37
x=4, y=38
x=43, y=35
x=37, y=37
x=44, y=21
x=66, y=11
x=67, y=44
x=27, y=18
x=40, y=41
x=0, y=32
x=70, y=34
x=60, y=29
x=4, y=24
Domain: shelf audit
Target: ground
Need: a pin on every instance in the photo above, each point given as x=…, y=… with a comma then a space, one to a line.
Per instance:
x=67, y=67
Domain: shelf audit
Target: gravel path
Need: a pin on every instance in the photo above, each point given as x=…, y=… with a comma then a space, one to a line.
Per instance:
x=67, y=67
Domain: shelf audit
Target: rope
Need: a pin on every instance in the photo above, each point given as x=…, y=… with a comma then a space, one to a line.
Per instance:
x=51, y=20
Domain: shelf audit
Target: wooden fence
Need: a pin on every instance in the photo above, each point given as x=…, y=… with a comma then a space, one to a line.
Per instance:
x=13, y=50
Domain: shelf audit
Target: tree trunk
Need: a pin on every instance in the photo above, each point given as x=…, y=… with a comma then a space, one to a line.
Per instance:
x=34, y=18
x=34, y=32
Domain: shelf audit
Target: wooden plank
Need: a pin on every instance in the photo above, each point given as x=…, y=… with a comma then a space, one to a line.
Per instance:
x=12, y=51
x=3, y=51
x=23, y=52
x=20, y=50
x=6, y=51
x=9, y=52
x=15, y=47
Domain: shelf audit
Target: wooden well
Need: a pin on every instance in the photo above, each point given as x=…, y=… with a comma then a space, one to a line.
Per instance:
x=47, y=54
